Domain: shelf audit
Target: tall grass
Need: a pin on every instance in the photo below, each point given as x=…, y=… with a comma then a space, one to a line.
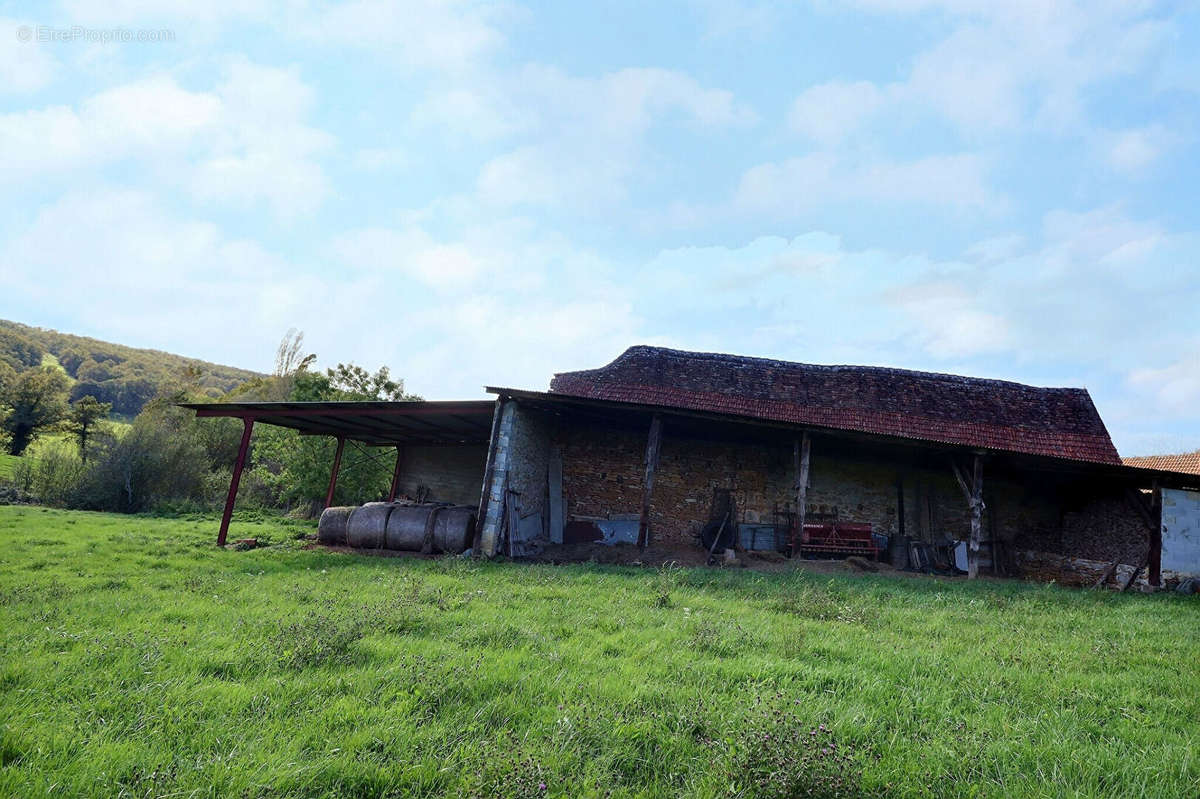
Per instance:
x=138, y=660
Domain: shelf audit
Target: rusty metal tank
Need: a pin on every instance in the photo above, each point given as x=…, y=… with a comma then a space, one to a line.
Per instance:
x=406, y=527
x=452, y=528
x=332, y=527
x=367, y=526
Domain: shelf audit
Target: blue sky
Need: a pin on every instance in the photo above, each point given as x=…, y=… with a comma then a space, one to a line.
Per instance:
x=488, y=193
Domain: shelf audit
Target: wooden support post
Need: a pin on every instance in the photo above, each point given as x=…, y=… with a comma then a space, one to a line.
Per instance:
x=974, y=496
x=554, y=486
x=333, y=475
x=800, y=459
x=1154, y=561
x=653, y=441
x=1151, y=514
x=235, y=479
x=396, y=474
x=976, y=520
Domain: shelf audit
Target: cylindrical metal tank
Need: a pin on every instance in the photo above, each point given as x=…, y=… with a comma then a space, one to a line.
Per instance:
x=367, y=526
x=332, y=527
x=454, y=529
x=406, y=527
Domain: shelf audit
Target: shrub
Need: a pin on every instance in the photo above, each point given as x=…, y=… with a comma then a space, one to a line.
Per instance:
x=52, y=478
x=156, y=460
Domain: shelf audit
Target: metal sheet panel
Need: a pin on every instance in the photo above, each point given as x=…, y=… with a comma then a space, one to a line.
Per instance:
x=618, y=531
x=1181, y=530
x=757, y=537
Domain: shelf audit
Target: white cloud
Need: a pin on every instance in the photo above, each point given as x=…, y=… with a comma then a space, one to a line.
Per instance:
x=997, y=248
x=408, y=253
x=832, y=111
x=151, y=13
x=243, y=142
x=468, y=112
x=382, y=158
x=118, y=250
x=799, y=184
x=950, y=322
x=1002, y=66
x=25, y=66
x=1133, y=151
x=585, y=135
x=1174, y=387
x=443, y=35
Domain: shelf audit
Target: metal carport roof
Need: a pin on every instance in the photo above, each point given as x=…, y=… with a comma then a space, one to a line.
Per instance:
x=372, y=423
x=376, y=424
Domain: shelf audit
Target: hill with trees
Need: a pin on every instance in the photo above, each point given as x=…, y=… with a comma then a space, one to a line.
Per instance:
x=125, y=377
x=164, y=455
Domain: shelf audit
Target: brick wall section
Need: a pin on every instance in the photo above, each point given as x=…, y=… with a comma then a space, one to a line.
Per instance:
x=603, y=473
x=451, y=474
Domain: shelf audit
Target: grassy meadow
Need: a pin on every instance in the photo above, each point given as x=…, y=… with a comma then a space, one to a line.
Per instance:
x=137, y=660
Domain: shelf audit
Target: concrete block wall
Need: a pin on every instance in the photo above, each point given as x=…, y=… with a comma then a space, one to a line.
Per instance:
x=450, y=473
x=520, y=462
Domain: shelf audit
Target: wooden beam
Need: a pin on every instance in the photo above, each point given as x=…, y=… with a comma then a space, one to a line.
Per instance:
x=801, y=451
x=234, y=480
x=1154, y=559
x=333, y=474
x=1133, y=577
x=554, y=487
x=1150, y=514
x=653, y=441
x=962, y=482
x=976, y=504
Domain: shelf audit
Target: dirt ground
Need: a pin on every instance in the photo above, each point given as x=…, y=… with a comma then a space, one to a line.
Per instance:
x=682, y=555
x=658, y=556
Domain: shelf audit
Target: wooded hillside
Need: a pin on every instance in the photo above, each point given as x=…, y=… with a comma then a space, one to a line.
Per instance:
x=125, y=376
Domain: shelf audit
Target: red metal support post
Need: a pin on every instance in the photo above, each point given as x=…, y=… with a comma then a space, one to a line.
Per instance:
x=396, y=474
x=333, y=475
x=235, y=479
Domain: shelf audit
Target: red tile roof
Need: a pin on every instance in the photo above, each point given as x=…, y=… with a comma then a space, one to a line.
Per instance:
x=1188, y=462
x=991, y=414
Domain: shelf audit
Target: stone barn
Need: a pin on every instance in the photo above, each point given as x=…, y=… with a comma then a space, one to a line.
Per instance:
x=666, y=448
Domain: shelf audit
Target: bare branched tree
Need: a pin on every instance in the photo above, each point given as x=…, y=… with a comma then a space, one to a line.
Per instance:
x=290, y=358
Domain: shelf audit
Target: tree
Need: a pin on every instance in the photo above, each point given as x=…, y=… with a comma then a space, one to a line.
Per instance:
x=356, y=383
x=290, y=358
x=36, y=399
x=84, y=415
x=18, y=351
x=299, y=465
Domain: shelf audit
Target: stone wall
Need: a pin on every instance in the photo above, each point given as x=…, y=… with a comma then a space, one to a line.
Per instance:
x=447, y=473
x=528, y=458
x=603, y=474
x=1104, y=528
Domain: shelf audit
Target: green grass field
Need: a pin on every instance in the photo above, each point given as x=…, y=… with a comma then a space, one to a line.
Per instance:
x=139, y=661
